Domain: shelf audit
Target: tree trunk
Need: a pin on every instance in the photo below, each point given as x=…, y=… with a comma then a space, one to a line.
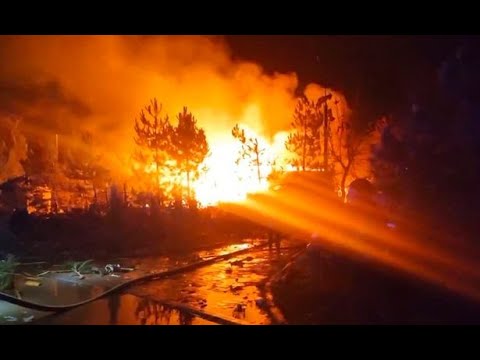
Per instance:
x=106, y=197
x=157, y=171
x=188, y=185
x=258, y=167
x=304, y=155
x=95, y=199
x=344, y=179
x=325, y=134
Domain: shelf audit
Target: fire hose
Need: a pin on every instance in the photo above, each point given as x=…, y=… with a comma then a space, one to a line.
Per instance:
x=150, y=277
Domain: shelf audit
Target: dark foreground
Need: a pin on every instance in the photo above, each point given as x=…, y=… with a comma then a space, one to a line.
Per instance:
x=325, y=288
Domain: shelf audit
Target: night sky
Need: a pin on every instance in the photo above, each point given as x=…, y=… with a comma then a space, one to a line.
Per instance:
x=378, y=73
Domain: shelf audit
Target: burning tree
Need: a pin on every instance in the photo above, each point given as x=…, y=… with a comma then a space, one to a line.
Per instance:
x=153, y=136
x=42, y=166
x=251, y=150
x=305, y=139
x=351, y=148
x=189, y=147
x=82, y=162
x=12, y=148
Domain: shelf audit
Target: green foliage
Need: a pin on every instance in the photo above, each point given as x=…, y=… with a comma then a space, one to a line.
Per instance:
x=79, y=267
x=7, y=270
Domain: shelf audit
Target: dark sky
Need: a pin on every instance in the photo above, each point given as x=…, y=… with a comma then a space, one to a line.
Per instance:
x=381, y=72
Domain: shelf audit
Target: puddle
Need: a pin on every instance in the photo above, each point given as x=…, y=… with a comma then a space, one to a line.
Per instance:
x=123, y=309
x=66, y=288
x=230, y=289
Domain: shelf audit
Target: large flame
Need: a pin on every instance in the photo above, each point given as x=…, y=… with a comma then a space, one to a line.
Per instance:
x=226, y=176
x=226, y=180
x=66, y=84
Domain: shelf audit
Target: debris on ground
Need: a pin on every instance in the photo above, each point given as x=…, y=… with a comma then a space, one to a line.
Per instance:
x=28, y=318
x=110, y=268
x=33, y=283
x=10, y=318
x=261, y=303
x=237, y=263
x=98, y=271
x=236, y=287
x=81, y=267
x=239, y=311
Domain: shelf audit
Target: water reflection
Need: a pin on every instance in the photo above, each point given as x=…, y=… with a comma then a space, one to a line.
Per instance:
x=229, y=289
x=114, y=307
x=149, y=312
x=67, y=288
x=124, y=309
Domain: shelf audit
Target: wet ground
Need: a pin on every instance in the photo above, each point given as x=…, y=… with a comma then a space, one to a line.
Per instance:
x=124, y=309
x=232, y=290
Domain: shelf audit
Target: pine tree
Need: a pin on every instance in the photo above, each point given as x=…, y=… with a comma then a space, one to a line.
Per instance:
x=189, y=148
x=153, y=136
x=304, y=140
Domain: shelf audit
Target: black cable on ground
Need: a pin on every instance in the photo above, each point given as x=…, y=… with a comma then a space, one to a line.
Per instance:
x=155, y=276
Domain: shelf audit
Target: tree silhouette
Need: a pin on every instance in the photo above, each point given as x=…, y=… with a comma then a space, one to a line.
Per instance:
x=153, y=136
x=189, y=147
x=351, y=148
x=81, y=161
x=41, y=165
x=40, y=161
x=304, y=140
x=351, y=145
x=251, y=150
x=12, y=148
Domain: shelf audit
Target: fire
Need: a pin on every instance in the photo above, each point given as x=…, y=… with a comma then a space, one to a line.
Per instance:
x=226, y=178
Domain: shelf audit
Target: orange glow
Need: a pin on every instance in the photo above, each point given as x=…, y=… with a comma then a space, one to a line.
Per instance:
x=225, y=179
x=104, y=93
x=362, y=232
x=100, y=83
